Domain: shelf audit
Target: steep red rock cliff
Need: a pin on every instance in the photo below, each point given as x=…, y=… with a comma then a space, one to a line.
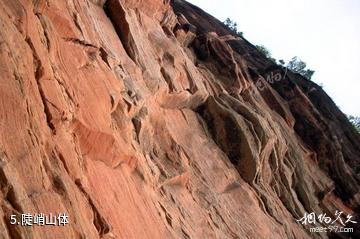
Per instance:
x=145, y=119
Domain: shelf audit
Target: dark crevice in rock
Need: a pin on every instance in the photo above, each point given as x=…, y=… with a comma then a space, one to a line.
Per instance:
x=10, y=205
x=213, y=127
x=77, y=23
x=13, y=230
x=51, y=168
x=168, y=79
x=137, y=127
x=223, y=125
x=9, y=192
x=59, y=185
x=79, y=42
x=67, y=94
x=185, y=234
x=137, y=122
x=99, y=221
x=167, y=215
x=104, y=56
x=117, y=15
x=44, y=28
x=38, y=74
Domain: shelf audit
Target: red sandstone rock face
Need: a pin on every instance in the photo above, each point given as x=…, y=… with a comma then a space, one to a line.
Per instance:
x=141, y=119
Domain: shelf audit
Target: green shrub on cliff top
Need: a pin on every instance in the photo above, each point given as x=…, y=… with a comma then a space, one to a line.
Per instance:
x=266, y=52
x=355, y=121
x=232, y=26
x=298, y=66
x=295, y=64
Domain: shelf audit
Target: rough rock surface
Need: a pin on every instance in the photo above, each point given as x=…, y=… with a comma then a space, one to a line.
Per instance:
x=142, y=119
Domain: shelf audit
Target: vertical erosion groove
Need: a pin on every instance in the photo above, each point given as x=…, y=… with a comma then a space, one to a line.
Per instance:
x=117, y=15
x=99, y=221
x=38, y=74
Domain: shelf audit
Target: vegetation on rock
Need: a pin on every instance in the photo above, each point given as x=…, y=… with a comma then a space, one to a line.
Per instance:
x=298, y=66
x=355, y=121
x=266, y=52
x=232, y=26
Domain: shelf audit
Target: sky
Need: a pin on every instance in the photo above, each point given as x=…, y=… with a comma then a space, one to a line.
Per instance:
x=323, y=33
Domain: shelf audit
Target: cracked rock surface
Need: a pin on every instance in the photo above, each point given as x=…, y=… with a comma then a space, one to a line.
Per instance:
x=142, y=119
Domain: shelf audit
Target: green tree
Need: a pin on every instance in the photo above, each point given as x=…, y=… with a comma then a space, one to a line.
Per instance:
x=232, y=26
x=281, y=62
x=355, y=121
x=266, y=52
x=298, y=66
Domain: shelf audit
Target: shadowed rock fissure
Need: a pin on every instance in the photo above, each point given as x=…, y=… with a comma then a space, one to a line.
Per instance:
x=38, y=74
x=117, y=15
x=99, y=221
